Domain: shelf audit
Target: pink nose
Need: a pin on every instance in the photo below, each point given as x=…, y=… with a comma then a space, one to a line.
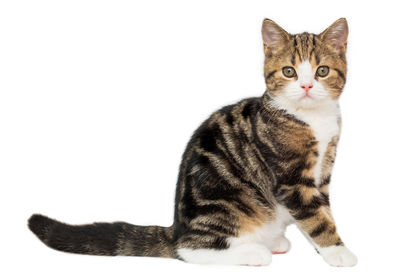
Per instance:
x=306, y=87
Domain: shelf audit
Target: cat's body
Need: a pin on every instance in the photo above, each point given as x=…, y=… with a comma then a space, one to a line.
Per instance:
x=249, y=170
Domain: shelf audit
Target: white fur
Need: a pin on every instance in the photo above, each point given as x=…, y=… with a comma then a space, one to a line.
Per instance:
x=242, y=254
x=338, y=256
x=305, y=73
x=251, y=249
x=280, y=245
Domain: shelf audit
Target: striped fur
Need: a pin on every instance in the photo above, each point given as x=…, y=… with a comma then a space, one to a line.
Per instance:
x=248, y=171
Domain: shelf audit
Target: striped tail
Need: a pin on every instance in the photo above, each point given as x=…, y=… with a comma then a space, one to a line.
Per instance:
x=109, y=239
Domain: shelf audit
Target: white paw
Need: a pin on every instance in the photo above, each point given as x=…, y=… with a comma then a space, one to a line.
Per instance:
x=254, y=254
x=338, y=256
x=280, y=245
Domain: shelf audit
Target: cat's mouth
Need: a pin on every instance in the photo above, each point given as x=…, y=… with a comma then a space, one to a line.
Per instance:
x=312, y=96
x=306, y=96
x=308, y=100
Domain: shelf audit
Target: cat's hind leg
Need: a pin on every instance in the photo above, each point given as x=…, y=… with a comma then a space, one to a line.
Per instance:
x=253, y=254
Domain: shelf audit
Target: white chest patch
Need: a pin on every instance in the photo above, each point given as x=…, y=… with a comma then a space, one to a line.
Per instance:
x=325, y=126
x=324, y=121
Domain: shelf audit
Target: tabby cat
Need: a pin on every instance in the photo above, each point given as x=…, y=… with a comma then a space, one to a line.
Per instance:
x=249, y=170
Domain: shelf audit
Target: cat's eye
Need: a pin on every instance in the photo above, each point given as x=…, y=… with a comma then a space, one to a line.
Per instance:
x=322, y=71
x=289, y=72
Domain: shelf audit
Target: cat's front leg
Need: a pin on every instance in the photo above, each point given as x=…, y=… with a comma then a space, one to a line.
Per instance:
x=311, y=212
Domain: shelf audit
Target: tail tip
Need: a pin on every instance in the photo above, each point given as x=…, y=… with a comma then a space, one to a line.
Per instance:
x=40, y=225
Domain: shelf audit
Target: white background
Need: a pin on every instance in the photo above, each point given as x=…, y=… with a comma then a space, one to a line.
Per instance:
x=99, y=98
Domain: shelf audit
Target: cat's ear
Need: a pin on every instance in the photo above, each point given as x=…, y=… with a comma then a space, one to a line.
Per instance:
x=273, y=35
x=336, y=35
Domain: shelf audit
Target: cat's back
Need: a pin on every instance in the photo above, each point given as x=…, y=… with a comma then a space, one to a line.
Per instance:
x=227, y=125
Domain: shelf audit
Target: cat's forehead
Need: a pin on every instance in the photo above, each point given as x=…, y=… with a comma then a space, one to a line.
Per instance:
x=302, y=47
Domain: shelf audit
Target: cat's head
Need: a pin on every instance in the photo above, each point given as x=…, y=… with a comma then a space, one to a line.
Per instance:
x=305, y=70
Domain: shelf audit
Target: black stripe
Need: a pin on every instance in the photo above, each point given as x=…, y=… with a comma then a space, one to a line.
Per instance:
x=294, y=200
x=340, y=73
x=219, y=229
x=325, y=198
x=278, y=192
x=304, y=214
x=295, y=177
x=296, y=48
x=243, y=208
x=325, y=181
x=293, y=60
x=308, y=182
x=229, y=118
x=317, y=59
x=196, y=232
x=208, y=137
x=247, y=110
x=319, y=230
x=316, y=202
x=270, y=74
x=219, y=243
x=212, y=209
x=299, y=53
x=313, y=42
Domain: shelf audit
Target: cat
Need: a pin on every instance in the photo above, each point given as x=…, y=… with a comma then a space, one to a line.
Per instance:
x=249, y=170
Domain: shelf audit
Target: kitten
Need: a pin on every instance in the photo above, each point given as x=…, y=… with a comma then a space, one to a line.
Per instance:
x=249, y=170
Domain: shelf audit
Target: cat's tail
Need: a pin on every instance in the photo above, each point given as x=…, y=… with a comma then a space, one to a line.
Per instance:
x=110, y=239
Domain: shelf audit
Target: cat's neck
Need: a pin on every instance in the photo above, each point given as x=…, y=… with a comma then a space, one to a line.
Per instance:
x=325, y=110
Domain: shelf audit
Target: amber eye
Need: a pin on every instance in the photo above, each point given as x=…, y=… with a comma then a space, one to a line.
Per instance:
x=289, y=72
x=322, y=71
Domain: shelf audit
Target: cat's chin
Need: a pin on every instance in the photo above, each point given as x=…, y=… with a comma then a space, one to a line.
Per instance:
x=307, y=103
